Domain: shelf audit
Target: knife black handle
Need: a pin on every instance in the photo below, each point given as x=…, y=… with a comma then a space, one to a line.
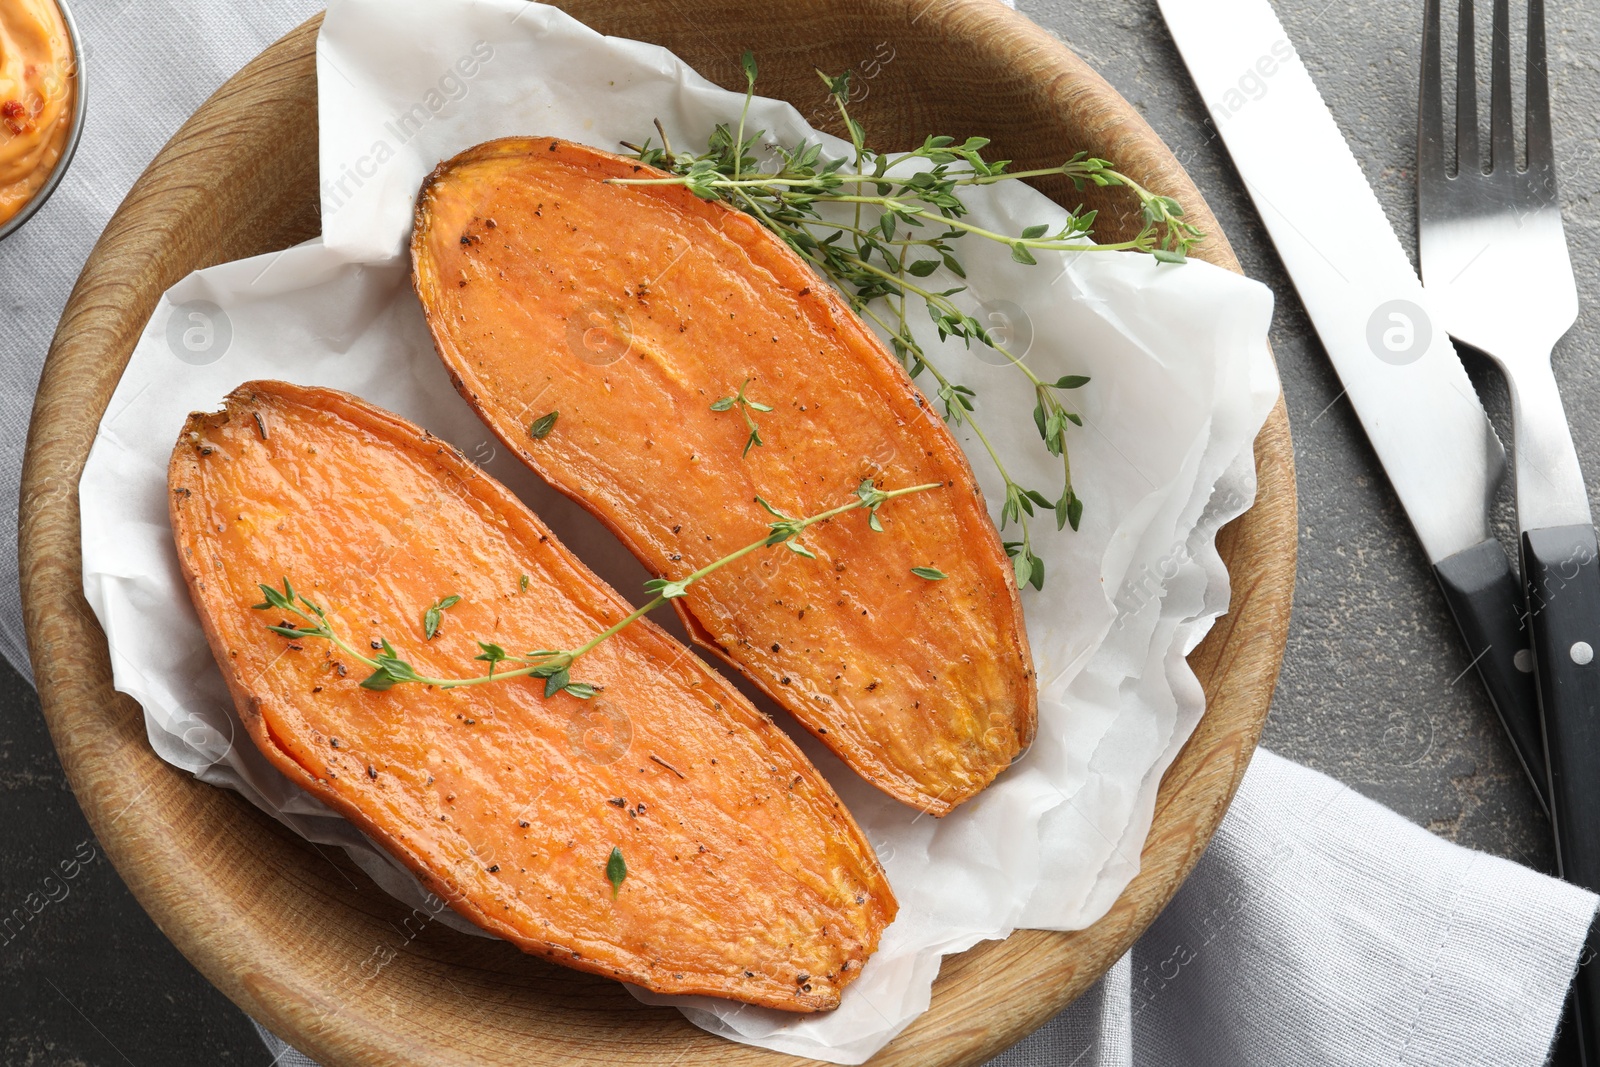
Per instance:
x=1561, y=567
x=1483, y=594
x=1567, y=1049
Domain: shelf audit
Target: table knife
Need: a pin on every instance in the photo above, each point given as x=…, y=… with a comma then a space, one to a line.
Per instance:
x=1397, y=365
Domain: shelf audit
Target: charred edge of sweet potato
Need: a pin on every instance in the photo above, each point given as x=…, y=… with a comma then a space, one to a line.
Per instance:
x=185, y=462
x=899, y=786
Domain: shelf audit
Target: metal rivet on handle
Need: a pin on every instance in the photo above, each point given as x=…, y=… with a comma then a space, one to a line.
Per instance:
x=1523, y=661
x=1582, y=653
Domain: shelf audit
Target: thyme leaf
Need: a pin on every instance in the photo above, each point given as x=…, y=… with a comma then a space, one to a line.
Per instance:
x=435, y=615
x=540, y=428
x=389, y=670
x=616, y=870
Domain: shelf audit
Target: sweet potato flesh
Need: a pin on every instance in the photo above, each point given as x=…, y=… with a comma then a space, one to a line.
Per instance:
x=746, y=878
x=630, y=310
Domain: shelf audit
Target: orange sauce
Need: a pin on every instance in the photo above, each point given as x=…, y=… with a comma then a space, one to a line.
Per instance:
x=37, y=90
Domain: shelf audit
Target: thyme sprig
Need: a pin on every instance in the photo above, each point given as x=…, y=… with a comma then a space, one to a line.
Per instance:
x=554, y=666
x=746, y=406
x=904, y=222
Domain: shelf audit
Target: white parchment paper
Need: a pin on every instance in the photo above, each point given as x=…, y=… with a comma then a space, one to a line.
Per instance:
x=1182, y=381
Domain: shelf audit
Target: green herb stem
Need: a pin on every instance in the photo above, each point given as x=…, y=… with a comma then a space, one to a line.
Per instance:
x=554, y=665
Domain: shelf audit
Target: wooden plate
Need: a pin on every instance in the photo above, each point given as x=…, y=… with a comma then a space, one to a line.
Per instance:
x=297, y=936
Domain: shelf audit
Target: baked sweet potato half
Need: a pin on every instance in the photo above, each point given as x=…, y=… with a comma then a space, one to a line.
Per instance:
x=625, y=313
x=736, y=870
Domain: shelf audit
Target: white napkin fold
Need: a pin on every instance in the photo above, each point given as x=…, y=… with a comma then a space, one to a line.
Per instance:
x=1321, y=929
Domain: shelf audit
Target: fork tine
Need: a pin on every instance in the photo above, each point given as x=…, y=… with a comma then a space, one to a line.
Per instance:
x=1502, y=143
x=1541, y=146
x=1468, y=156
x=1430, y=105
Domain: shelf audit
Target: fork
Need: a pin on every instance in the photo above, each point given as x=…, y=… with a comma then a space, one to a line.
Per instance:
x=1494, y=257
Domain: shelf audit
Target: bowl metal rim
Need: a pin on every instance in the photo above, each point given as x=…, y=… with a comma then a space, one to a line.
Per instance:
x=80, y=108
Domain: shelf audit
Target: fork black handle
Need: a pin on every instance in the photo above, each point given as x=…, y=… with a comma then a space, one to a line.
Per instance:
x=1561, y=566
x=1483, y=594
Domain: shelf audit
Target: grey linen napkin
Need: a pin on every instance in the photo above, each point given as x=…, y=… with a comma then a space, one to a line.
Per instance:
x=1319, y=928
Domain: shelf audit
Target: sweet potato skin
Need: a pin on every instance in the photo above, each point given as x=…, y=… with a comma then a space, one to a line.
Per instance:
x=630, y=309
x=746, y=877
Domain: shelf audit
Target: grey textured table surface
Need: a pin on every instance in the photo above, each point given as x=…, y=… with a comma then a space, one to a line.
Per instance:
x=1375, y=690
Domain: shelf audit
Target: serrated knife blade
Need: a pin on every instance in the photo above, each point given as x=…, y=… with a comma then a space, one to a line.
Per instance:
x=1394, y=359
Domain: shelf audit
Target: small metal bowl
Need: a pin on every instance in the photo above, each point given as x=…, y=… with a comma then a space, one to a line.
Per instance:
x=80, y=107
